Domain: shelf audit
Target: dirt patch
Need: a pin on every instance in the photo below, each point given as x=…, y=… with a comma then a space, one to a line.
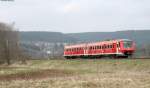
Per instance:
x=48, y=73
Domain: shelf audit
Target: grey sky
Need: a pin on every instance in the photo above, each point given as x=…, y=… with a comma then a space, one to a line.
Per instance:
x=77, y=15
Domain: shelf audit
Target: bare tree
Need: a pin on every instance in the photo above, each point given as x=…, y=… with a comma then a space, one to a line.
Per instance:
x=9, y=45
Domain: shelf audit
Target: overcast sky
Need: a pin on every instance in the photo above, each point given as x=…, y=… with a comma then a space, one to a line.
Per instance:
x=69, y=16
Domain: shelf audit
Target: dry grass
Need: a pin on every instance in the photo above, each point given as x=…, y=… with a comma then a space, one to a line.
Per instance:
x=77, y=74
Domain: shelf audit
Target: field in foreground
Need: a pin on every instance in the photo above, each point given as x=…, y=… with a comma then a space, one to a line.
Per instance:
x=103, y=73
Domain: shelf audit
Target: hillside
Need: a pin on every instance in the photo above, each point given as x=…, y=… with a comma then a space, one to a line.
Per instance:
x=139, y=36
x=46, y=37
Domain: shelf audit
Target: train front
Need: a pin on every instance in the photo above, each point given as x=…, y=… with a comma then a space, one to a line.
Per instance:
x=127, y=47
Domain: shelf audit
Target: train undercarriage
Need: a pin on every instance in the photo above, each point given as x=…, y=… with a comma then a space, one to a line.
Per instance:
x=111, y=56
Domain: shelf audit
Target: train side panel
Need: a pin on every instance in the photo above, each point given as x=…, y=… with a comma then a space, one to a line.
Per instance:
x=114, y=47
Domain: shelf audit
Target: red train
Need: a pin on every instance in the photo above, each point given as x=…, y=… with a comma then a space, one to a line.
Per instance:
x=111, y=48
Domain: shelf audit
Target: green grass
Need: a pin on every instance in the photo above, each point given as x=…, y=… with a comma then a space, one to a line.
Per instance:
x=102, y=73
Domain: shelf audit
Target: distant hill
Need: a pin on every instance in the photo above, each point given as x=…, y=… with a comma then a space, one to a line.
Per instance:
x=46, y=37
x=139, y=36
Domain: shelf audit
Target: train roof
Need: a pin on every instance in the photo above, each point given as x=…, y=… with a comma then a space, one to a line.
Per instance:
x=76, y=45
x=95, y=43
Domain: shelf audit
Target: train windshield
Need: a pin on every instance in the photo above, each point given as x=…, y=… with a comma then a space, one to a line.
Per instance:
x=127, y=44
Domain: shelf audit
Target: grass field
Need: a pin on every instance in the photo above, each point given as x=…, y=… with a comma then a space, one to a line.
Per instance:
x=103, y=73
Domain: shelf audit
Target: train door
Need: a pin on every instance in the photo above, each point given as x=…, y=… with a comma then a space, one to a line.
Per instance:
x=86, y=50
x=104, y=49
x=114, y=48
x=117, y=47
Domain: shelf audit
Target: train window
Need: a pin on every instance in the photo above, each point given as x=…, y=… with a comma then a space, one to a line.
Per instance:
x=102, y=47
x=97, y=47
x=127, y=44
x=110, y=46
x=90, y=48
x=79, y=48
x=118, y=45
